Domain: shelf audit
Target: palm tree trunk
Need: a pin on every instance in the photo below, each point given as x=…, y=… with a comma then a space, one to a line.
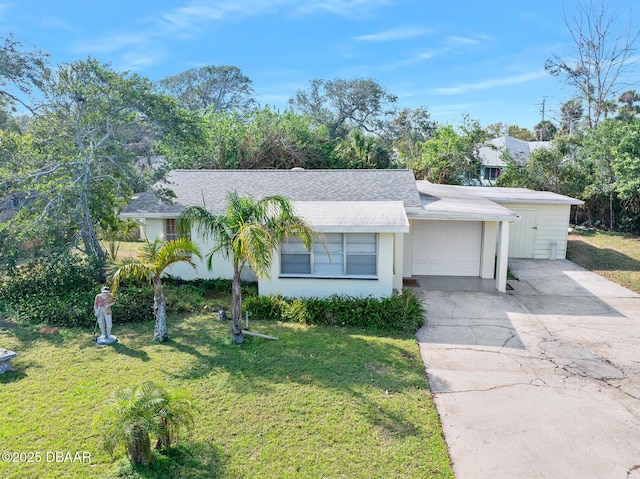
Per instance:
x=236, y=307
x=140, y=448
x=160, y=332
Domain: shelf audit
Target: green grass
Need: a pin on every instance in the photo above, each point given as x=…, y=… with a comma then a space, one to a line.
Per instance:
x=616, y=256
x=320, y=402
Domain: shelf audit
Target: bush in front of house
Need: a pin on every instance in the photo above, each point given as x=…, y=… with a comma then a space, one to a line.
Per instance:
x=403, y=312
x=60, y=289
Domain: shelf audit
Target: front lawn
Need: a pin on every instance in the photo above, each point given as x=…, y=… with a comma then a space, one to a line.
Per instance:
x=616, y=256
x=320, y=402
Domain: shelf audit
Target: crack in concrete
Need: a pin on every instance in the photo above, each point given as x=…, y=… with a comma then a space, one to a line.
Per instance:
x=632, y=469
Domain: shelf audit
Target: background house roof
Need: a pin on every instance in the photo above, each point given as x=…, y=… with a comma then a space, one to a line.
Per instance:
x=209, y=188
x=519, y=150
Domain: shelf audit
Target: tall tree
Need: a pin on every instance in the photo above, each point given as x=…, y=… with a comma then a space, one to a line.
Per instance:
x=525, y=134
x=603, y=52
x=629, y=110
x=85, y=171
x=247, y=232
x=212, y=89
x=612, y=154
x=263, y=139
x=545, y=130
x=362, y=151
x=570, y=115
x=342, y=105
x=20, y=69
x=155, y=257
x=409, y=128
x=451, y=156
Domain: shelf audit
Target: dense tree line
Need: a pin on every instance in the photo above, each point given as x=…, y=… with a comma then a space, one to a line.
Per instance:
x=69, y=164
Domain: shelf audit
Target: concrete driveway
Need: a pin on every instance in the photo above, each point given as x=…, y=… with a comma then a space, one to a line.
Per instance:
x=540, y=382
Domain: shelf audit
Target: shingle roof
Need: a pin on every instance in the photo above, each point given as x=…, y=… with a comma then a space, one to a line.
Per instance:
x=191, y=187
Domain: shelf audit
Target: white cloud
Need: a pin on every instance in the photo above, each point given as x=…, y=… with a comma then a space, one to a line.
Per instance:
x=461, y=41
x=491, y=83
x=395, y=34
x=344, y=8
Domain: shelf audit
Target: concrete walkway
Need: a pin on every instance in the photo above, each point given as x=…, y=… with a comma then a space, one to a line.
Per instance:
x=540, y=382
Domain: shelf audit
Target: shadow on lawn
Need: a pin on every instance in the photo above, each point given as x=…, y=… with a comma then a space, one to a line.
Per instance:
x=202, y=460
x=334, y=358
x=603, y=259
x=132, y=353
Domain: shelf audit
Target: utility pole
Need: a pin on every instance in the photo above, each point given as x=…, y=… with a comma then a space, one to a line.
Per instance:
x=542, y=111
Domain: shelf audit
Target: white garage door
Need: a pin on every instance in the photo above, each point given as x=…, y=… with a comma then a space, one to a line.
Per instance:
x=447, y=248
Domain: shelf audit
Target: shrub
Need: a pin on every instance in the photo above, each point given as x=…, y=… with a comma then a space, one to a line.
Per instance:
x=403, y=312
x=58, y=289
x=133, y=304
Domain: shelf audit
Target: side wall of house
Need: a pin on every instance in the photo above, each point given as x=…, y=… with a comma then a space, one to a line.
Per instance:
x=383, y=286
x=552, y=226
x=221, y=268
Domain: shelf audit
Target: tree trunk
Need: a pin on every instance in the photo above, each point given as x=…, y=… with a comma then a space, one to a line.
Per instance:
x=160, y=332
x=140, y=448
x=611, y=211
x=236, y=307
x=164, y=438
x=87, y=232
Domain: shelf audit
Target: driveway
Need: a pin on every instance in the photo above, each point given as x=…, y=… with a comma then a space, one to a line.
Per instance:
x=540, y=382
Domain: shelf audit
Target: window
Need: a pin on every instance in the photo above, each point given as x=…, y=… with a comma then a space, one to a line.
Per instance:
x=361, y=254
x=348, y=255
x=171, y=229
x=295, y=258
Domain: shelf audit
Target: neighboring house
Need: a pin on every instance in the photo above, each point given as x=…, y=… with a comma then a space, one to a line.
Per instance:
x=379, y=227
x=492, y=155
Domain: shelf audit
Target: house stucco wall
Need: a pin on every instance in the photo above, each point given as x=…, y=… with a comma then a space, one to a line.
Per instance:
x=221, y=268
x=383, y=286
x=389, y=271
x=489, y=242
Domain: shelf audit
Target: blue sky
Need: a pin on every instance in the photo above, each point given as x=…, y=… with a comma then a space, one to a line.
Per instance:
x=485, y=59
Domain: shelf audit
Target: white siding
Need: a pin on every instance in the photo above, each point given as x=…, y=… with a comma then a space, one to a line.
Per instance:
x=552, y=227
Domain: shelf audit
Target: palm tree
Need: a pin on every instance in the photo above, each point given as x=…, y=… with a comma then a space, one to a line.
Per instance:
x=155, y=257
x=134, y=414
x=248, y=231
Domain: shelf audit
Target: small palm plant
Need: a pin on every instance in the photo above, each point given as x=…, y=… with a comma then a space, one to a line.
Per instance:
x=155, y=257
x=135, y=414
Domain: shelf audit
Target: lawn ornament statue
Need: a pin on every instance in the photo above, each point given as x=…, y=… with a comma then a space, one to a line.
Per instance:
x=102, y=309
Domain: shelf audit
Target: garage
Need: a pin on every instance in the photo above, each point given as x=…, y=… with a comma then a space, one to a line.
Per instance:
x=447, y=248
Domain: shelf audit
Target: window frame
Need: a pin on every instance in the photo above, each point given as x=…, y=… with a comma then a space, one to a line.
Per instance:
x=318, y=249
x=175, y=234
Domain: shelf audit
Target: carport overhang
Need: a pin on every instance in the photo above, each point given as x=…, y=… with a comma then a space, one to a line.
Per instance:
x=442, y=203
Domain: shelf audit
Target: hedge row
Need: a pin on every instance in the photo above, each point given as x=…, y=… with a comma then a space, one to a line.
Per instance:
x=59, y=290
x=403, y=312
